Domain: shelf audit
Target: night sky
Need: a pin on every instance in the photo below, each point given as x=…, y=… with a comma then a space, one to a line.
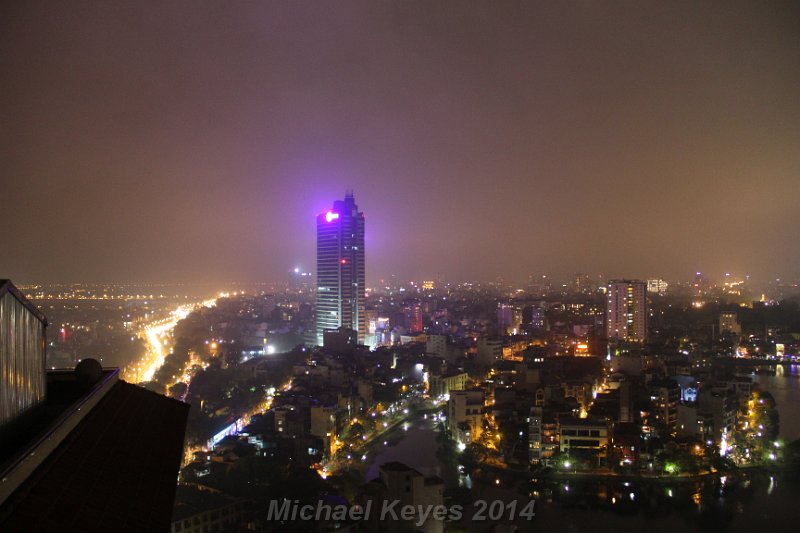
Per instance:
x=196, y=141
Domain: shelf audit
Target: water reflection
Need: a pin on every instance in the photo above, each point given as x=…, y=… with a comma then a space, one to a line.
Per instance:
x=413, y=443
x=785, y=388
x=736, y=503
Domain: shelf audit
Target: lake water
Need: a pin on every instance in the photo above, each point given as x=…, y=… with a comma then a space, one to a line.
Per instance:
x=785, y=388
x=413, y=443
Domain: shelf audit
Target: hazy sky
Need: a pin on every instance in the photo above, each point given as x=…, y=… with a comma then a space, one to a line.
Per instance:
x=196, y=141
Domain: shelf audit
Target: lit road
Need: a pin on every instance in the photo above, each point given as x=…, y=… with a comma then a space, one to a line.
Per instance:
x=241, y=422
x=266, y=405
x=157, y=335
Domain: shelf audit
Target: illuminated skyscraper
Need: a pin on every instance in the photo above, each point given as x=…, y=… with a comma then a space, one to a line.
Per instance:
x=626, y=314
x=340, y=269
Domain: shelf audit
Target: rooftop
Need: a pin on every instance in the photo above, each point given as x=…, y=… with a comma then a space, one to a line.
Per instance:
x=582, y=422
x=65, y=398
x=103, y=456
x=191, y=501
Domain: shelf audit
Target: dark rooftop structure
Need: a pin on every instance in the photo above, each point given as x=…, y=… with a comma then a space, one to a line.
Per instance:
x=92, y=454
x=22, y=355
x=108, y=462
x=396, y=466
x=196, y=509
x=582, y=422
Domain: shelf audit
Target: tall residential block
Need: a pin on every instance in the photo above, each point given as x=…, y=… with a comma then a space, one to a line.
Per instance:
x=626, y=311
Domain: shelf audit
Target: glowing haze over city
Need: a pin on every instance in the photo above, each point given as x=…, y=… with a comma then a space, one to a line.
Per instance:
x=193, y=142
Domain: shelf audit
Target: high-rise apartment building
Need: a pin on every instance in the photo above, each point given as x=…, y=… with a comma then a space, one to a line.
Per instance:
x=340, y=269
x=626, y=311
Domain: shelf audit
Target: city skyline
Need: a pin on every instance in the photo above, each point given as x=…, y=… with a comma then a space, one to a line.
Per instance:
x=488, y=141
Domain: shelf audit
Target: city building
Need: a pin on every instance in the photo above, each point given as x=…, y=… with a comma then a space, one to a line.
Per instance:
x=436, y=345
x=509, y=318
x=22, y=354
x=300, y=281
x=341, y=269
x=371, y=320
x=514, y=348
x=657, y=286
x=288, y=421
x=340, y=340
x=583, y=436
x=397, y=481
x=489, y=351
x=440, y=385
x=626, y=311
x=200, y=511
x=465, y=414
x=323, y=425
x=626, y=443
x=626, y=405
x=729, y=323
x=721, y=406
x=542, y=435
x=694, y=422
x=413, y=317
x=664, y=398
x=538, y=319
x=581, y=284
x=383, y=331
